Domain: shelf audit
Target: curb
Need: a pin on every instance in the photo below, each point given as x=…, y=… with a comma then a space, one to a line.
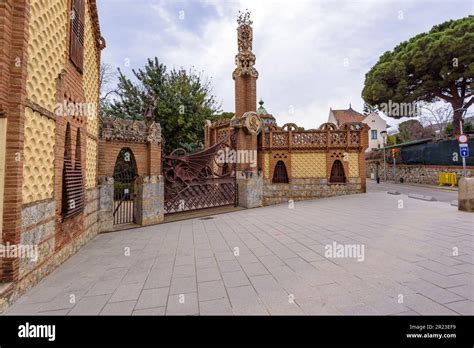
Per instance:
x=422, y=197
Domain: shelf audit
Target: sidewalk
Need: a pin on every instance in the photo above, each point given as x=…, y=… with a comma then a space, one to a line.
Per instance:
x=273, y=260
x=446, y=188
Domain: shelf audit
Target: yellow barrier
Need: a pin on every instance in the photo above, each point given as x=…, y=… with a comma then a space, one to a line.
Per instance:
x=447, y=179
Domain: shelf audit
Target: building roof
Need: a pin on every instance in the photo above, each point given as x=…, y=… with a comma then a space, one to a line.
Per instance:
x=262, y=112
x=349, y=115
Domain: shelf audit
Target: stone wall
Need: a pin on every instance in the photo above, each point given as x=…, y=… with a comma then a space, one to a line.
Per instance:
x=38, y=230
x=418, y=174
x=303, y=189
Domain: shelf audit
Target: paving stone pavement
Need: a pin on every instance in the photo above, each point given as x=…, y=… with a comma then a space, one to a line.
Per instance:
x=418, y=259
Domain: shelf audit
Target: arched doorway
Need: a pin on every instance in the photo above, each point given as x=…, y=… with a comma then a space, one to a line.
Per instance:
x=280, y=174
x=125, y=173
x=337, y=173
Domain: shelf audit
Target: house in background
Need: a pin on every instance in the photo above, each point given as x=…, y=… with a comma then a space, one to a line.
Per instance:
x=376, y=123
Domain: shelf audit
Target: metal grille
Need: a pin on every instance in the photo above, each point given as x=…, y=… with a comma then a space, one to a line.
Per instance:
x=337, y=173
x=280, y=175
x=199, y=180
x=73, y=187
x=124, y=188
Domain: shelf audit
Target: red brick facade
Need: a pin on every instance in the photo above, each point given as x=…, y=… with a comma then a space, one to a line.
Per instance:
x=147, y=157
x=14, y=37
x=14, y=32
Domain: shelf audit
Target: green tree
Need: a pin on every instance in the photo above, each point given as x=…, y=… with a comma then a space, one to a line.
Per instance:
x=184, y=101
x=448, y=130
x=438, y=65
x=412, y=130
x=391, y=140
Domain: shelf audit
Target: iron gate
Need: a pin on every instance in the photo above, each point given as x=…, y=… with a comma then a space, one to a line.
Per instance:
x=125, y=173
x=200, y=180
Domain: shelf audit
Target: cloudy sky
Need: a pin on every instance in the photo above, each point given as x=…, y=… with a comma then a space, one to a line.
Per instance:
x=311, y=55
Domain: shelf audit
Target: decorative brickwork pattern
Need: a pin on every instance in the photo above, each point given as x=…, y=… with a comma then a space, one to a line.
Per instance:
x=266, y=165
x=91, y=163
x=91, y=75
x=38, y=157
x=353, y=165
x=46, y=49
x=308, y=165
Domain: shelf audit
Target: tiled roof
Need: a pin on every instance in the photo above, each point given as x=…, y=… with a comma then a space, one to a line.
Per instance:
x=349, y=115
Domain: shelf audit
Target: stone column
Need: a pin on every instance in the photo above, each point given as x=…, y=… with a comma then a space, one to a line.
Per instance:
x=250, y=189
x=149, y=200
x=466, y=195
x=106, y=204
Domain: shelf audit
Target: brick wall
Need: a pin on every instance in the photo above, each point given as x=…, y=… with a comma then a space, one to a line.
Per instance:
x=14, y=16
x=26, y=86
x=147, y=157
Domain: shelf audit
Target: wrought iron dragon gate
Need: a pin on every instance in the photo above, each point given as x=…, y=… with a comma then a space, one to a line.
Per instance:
x=200, y=180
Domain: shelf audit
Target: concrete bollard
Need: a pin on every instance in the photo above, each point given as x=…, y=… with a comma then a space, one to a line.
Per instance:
x=466, y=195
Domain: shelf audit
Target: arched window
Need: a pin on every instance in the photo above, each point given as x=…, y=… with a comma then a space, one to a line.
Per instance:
x=280, y=175
x=337, y=173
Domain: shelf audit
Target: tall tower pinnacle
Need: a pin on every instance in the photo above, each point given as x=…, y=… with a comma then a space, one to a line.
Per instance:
x=245, y=74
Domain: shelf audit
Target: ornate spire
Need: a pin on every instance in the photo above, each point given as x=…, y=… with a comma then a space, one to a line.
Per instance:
x=261, y=110
x=245, y=59
x=244, y=18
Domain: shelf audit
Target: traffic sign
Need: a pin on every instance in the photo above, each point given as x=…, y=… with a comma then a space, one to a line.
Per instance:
x=463, y=139
x=463, y=151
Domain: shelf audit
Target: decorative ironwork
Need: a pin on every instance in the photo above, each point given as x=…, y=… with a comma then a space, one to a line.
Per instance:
x=200, y=180
x=125, y=173
x=73, y=188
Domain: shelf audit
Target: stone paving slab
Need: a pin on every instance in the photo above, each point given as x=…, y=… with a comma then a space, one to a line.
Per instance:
x=416, y=260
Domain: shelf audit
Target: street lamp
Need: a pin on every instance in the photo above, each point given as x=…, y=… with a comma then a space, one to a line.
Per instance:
x=384, y=137
x=463, y=113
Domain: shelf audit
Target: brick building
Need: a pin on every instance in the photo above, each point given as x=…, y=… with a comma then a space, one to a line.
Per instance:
x=49, y=95
x=293, y=164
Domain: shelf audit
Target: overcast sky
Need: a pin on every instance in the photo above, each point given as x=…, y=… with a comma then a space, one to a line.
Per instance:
x=311, y=55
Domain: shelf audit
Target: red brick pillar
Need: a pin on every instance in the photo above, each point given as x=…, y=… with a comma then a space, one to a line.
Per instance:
x=14, y=16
